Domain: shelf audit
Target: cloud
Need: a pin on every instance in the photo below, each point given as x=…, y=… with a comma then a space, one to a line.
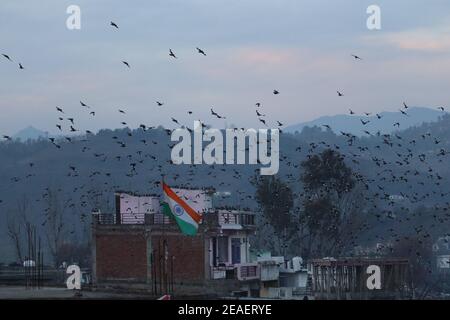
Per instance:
x=433, y=40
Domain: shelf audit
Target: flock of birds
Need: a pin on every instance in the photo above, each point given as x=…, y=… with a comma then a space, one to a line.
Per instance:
x=382, y=162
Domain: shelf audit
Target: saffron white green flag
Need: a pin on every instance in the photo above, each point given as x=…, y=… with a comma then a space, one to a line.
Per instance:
x=186, y=217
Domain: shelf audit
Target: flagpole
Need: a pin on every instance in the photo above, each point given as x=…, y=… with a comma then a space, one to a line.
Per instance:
x=164, y=275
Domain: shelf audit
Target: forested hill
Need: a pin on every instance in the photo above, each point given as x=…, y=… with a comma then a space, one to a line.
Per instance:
x=81, y=173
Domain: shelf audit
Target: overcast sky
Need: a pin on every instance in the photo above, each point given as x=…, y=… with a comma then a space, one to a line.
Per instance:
x=300, y=47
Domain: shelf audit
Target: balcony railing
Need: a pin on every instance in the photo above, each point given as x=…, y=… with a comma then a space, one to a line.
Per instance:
x=247, y=271
x=230, y=219
x=131, y=219
x=104, y=218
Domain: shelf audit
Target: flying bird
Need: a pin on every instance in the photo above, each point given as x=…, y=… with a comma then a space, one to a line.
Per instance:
x=114, y=25
x=216, y=114
x=340, y=94
x=126, y=63
x=403, y=112
x=276, y=92
x=171, y=54
x=356, y=57
x=7, y=57
x=201, y=51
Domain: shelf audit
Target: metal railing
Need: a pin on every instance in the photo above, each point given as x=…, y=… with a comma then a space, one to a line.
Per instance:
x=131, y=219
x=247, y=271
x=239, y=218
x=245, y=219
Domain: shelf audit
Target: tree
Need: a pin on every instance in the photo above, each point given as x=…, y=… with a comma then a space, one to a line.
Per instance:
x=329, y=206
x=15, y=235
x=327, y=173
x=417, y=250
x=17, y=223
x=276, y=200
x=55, y=224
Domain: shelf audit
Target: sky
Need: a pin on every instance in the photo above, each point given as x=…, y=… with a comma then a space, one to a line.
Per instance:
x=302, y=48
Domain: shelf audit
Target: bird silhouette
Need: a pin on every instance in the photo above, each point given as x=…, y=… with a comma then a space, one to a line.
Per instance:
x=7, y=57
x=201, y=51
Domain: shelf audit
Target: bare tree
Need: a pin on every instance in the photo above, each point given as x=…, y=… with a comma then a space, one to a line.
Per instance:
x=15, y=235
x=54, y=223
x=16, y=226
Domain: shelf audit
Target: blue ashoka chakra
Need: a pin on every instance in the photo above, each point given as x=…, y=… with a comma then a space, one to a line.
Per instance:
x=178, y=211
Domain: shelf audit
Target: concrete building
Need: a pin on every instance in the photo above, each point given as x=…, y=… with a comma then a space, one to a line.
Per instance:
x=283, y=279
x=346, y=278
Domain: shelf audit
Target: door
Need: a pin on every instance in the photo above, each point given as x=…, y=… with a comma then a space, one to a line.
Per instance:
x=236, y=250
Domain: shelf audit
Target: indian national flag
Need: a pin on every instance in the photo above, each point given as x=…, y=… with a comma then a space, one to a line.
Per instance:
x=186, y=217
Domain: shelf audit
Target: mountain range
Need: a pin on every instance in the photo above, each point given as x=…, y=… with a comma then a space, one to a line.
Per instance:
x=383, y=122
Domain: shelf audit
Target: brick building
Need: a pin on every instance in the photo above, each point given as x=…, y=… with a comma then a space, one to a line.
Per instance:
x=139, y=246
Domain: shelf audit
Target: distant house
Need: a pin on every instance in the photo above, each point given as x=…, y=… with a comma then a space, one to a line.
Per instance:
x=441, y=249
